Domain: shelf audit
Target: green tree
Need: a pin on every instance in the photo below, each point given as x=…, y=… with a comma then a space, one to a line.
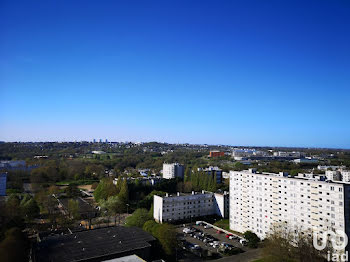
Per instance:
x=138, y=218
x=73, y=208
x=166, y=235
x=282, y=244
x=29, y=209
x=72, y=191
x=114, y=206
x=187, y=176
x=210, y=186
x=124, y=193
x=214, y=186
x=105, y=189
x=252, y=238
x=150, y=226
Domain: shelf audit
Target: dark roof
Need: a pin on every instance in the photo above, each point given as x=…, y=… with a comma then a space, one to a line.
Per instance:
x=90, y=244
x=83, y=206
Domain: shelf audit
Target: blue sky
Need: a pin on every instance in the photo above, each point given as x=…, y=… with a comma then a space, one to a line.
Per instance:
x=218, y=72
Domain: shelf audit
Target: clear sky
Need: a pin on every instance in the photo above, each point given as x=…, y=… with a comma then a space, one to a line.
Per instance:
x=219, y=72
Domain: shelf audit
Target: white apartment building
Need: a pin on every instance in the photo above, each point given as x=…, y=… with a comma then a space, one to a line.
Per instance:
x=345, y=175
x=338, y=175
x=260, y=200
x=171, y=208
x=333, y=175
x=173, y=170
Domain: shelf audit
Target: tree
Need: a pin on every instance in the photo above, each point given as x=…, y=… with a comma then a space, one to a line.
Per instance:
x=187, y=176
x=13, y=247
x=105, y=189
x=114, y=206
x=124, y=193
x=150, y=226
x=166, y=235
x=94, y=185
x=214, y=186
x=148, y=200
x=12, y=207
x=73, y=208
x=30, y=209
x=187, y=187
x=283, y=244
x=179, y=187
x=72, y=191
x=138, y=218
x=53, y=190
x=94, y=171
x=252, y=238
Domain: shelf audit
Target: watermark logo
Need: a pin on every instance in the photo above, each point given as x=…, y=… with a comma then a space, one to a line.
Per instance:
x=338, y=239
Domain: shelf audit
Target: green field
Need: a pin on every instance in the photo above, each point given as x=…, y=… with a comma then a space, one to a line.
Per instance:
x=77, y=182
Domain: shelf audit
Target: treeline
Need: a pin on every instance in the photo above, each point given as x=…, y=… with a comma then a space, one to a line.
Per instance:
x=164, y=233
x=283, y=244
x=14, y=214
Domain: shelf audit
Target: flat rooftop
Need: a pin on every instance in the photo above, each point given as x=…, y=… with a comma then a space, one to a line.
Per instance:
x=92, y=244
x=307, y=177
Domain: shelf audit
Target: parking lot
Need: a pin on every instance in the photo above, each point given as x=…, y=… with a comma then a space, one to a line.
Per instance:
x=198, y=238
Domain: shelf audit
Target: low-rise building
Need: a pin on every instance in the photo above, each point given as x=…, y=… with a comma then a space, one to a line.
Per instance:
x=289, y=154
x=171, y=208
x=319, y=167
x=305, y=160
x=213, y=171
x=216, y=154
x=144, y=180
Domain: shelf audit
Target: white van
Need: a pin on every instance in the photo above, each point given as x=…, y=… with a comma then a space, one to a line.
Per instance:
x=187, y=230
x=243, y=242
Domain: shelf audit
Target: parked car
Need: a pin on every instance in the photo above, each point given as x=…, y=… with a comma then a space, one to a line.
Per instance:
x=199, y=223
x=228, y=235
x=215, y=245
x=243, y=242
x=187, y=230
x=196, y=247
x=219, y=232
x=207, y=226
x=226, y=245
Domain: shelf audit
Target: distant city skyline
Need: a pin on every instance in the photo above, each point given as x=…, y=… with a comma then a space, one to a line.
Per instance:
x=256, y=73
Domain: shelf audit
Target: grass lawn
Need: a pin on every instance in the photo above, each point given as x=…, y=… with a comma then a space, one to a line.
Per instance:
x=225, y=224
x=77, y=182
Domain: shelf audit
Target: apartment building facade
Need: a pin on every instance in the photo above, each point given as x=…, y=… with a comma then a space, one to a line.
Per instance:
x=213, y=171
x=260, y=200
x=171, y=208
x=338, y=175
x=173, y=170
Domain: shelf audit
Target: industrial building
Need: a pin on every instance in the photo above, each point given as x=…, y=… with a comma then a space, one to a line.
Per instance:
x=94, y=245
